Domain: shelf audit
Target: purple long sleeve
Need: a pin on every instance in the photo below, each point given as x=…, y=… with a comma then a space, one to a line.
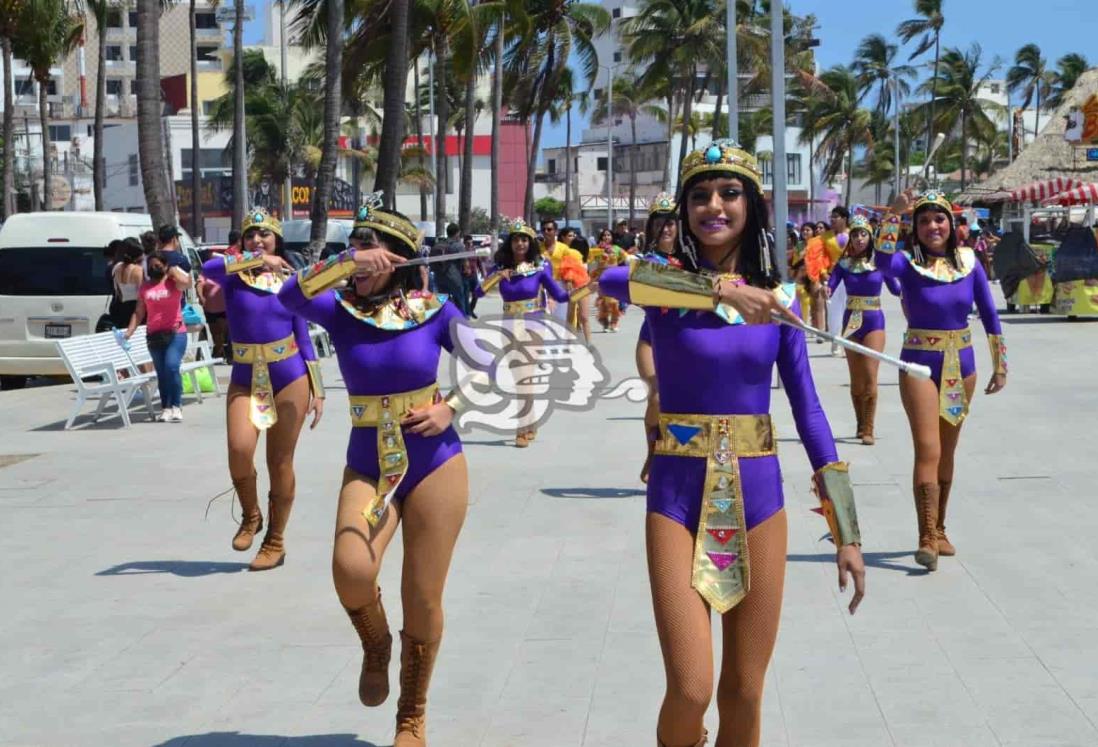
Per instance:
x=808, y=415
x=614, y=282
x=304, y=340
x=837, y=274
x=551, y=286
x=214, y=270
x=985, y=303
x=319, y=310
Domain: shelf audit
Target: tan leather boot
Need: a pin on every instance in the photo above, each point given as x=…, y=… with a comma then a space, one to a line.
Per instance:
x=272, y=553
x=417, y=659
x=926, y=512
x=859, y=409
x=869, y=414
x=522, y=440
x=251, y=520
x=377, y=650
x=945, y=547
x=704, y=740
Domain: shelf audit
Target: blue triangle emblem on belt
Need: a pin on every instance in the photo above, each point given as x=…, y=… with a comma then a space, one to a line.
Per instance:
x=722, y=504
x=683, y=433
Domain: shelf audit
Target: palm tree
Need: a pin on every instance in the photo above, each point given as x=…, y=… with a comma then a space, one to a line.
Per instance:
x=333, y=101
x=48, y=31
x=929, y=27
x=631, y=100
x=467, y=66
x=567, y=96
x=556, y=30
x=1068, y=69
x=9, y=16
x=240, y=160
x=395, y=83
x=964, y=111
x=150, y=137
x=1030, y=76
x=99, y=11
x=841, y=124
x=196, y=172
x=874, y=64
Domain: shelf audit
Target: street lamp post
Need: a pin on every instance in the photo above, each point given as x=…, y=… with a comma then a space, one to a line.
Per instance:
x=288, y=186
x=779, y=171
x=896, y=140
x=733, y=94
x=609, y=144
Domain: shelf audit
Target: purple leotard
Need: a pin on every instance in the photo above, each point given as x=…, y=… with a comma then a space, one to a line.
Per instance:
x=256, y=317
x=706, y=366
x=520, y=288
x=863, y=284
x=377, y=361
x=938, y=304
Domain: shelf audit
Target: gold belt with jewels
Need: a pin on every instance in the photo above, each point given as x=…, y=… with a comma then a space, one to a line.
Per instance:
x=525, y=306
x=385, y=412
x=721, y=571
x=952, y=399
x=856, y=305
x=263, y=413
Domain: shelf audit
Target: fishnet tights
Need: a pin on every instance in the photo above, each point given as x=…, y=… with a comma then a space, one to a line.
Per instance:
x=682, y=622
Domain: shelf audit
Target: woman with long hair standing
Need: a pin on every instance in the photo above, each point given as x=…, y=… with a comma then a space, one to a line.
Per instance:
x=863, y=320
x=404, y=465
x=275, y=381
x=603, y=255
x=940, y=281
x=716, y=527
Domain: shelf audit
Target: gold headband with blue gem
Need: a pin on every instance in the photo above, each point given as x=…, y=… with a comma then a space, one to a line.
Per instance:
x=933, y=197
x=722, y=157
x=662, y=203
x=260, y=219
x=518, y=226
x=860, y=223
x=371, y=216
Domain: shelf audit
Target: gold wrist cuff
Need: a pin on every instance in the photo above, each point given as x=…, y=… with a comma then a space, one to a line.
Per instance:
x=998, y=353
x=316, y=380
x=320, y=277
x=832, y=487
x=455, y=401
x=669, y=287
x=242, y=262
x=580, y=293
x=489, y=283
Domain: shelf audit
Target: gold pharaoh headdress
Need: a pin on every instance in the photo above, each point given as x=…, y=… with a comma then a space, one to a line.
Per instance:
x=370, y=215
x=933, y=197
x=721, y=156
x=518, y=225
x=662, y=203
x=860, y=223
x=261, y=219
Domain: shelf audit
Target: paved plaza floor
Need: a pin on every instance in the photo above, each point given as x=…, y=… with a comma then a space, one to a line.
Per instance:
x=127, y=619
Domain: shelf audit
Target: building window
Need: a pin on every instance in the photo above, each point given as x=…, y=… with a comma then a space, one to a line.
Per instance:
x=767, y=165
x=133, y=19
x=133, y=86
x=616, y=13
x=60, y=133
x=617, y=56
x=602, y=163
x=207, y=108
x=133, y=53
x=206, y=54
x=205, y=21
x=114, y=53
x=992, y=87
x=211, y=162
x=598, y=93
x=114, y=19
x=793, y=168
x=575, y=165
x=551, y=165
x=114, y=87
x=134, y=170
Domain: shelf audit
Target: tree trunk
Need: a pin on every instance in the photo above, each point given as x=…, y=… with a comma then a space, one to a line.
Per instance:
x=849, y=173
x=442, y=111
x=333, y=99
x=150, y=136
x=465, y=201
x=811, y=177
x=8, y=207
x=532, y=164
x=1037, y=114
x=633, y=169
x=687, y=113
x=546, y=93
x=670, y=140
x=930, y=113
x=419, y=142
x=197, y=229
x=240, y=165
x=395, y=80
x=44, y=119
x=568, y=163
x=964, y=149
x=721, y=86
x=99, y=176
x=497, y=107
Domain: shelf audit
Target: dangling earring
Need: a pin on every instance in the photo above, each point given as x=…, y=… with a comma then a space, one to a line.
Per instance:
x=917, y=251
x=686, y=244
x=764, y=250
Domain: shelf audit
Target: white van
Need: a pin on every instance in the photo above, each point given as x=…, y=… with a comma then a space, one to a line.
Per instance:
x=54, y=283
x=295, y=236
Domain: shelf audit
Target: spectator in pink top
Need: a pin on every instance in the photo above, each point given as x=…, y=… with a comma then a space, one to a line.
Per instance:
x=159, y=304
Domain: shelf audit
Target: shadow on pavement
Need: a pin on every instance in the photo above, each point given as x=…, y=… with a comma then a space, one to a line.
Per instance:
x=631, y=417
x=593, y=492
x=1046, y=319
x=236, y=739
x=883, y=560
x=182, y=568
x=497, y=442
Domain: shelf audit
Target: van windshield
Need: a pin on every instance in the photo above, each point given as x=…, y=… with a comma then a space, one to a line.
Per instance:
x=54, y=271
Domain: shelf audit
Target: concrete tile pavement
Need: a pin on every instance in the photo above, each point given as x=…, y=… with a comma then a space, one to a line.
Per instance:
x=127, y=619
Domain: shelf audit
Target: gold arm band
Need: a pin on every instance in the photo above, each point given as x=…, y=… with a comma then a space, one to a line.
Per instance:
x=998, y=353
x=455, y=401
x=580, y=293
x=489, y=283
x=242, y=262
x=832, y=484
x=316, y=380
x=669, y=287
x=320, y=277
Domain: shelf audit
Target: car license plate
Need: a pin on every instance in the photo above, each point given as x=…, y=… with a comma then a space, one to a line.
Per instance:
x=58, y=330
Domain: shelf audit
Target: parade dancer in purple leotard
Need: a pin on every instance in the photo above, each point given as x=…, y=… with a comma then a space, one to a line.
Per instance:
x=524, y=280
x=404, y=461
x=716, y=528
x=863, y=320
x=940, y=281
x=275, y=381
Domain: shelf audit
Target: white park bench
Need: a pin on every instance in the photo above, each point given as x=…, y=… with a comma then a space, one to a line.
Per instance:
x=117, y=375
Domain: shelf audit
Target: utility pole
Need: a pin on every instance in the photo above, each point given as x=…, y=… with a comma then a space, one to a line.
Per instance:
x=434, y=139
x=288, y=186
x=777, y=85
x=240, y=159
x=733, y=72
x=610, y=151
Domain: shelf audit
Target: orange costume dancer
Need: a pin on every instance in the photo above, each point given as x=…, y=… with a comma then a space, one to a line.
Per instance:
x=603, y=255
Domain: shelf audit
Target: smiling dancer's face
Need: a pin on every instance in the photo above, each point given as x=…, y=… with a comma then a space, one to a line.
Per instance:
x=933, y=229
x=717, y=212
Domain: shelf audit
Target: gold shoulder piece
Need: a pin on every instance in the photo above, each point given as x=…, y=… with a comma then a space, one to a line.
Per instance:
x=651, y=284
x=324, y=275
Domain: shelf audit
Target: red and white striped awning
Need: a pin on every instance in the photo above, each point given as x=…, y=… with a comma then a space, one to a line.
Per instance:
x=1043, y=190
x=1084, y=194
